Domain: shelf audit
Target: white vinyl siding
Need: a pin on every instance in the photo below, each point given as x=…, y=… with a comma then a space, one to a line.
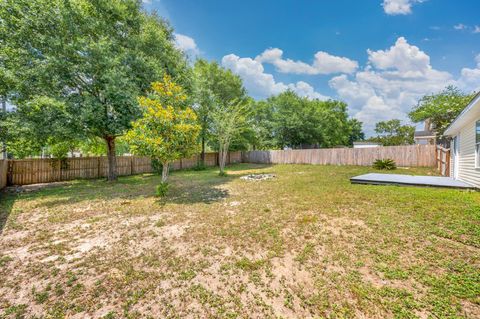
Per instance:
x=477, y=144
x=453, y=146
x=467, y=170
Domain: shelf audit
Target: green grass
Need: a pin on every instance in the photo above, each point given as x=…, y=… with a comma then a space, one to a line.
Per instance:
x=304, y=244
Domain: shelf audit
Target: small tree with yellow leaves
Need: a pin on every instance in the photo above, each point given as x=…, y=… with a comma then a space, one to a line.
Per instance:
x=168, y=129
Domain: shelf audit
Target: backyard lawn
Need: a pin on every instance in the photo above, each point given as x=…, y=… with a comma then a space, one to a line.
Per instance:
x=304, y=244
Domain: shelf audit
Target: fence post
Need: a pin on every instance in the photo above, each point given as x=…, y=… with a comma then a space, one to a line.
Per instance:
x=9, y=172
x=132, y=168
x=447, y=163
x=98, y=166
x=59, y=170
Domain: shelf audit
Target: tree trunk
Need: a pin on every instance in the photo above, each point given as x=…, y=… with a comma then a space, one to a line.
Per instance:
x=112, y=159
x=4, y=145
x=164, y=172
x=202, y=156
x=222, y=156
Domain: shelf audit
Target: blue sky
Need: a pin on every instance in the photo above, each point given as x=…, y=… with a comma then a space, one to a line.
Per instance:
x=379, y=56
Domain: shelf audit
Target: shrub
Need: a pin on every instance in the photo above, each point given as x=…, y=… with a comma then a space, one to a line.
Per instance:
x=200, y=166
x=162, y=189
x=386, y=163
x=223, y=174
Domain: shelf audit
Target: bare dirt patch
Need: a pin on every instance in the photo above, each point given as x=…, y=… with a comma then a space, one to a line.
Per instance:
x=306, y=244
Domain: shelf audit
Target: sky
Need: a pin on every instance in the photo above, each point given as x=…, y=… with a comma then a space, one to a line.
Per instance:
x=379, y=56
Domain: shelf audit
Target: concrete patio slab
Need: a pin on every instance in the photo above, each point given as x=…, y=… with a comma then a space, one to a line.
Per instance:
x=409, y=180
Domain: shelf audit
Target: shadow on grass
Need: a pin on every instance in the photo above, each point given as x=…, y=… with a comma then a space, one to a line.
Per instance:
x=190, y=187
x=6, y=205
x=191, y=191
x=186, y=187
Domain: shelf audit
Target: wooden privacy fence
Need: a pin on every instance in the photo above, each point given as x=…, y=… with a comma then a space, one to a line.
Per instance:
x=408, y=155
x=442, y=157
x=31, y=171
x=45, y=170
x=3, y=173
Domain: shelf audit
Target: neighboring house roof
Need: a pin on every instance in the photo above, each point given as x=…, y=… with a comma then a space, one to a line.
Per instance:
x=471, y=112
x=366, y=143
x=424, y=134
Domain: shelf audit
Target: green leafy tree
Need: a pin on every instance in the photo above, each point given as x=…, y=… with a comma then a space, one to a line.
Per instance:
x=168, y=130
x=92, y=57
x=441, y=108
x=332, y=118
x=392, y=133
x=263, y=126
x=293, y=121
x=214, y=86
x=96, y=146
x=38, y=126
x=229, y=120
x=356, y=131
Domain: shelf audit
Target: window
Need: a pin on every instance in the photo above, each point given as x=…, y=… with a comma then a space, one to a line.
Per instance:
x=477, y=144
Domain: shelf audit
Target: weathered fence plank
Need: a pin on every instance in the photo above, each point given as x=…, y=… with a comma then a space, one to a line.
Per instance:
x=3, y=173
x=46, y=170
x=404, y=156
x=31, y=171
x=442, y=156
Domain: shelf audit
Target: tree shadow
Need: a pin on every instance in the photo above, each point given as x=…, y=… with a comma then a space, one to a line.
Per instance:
x=193, y=191
x=6, y=205
x=186, y=187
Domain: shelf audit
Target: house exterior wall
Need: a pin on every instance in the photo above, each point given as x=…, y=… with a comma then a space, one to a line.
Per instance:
x=466, y=159
x=452, y=162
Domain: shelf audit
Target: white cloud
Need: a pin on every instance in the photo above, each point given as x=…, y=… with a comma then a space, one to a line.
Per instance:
x=395, y=7
x=323, y=63
x=306, y=90
x=186, y=44
x=406, y=58
x=260, y=84
x=470, y=78
x=391, y=84
x=460, y=26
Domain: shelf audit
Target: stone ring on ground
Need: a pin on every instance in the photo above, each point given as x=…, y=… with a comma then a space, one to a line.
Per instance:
x=257, y=177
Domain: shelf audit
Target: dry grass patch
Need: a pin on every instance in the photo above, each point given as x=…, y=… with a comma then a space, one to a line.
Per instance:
x=306, y=243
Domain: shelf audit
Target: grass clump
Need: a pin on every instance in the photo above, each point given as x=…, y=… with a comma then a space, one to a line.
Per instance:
x=223, y=174
x=200, y=166
x=162, y=189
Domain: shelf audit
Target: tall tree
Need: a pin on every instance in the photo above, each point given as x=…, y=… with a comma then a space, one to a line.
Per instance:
x=93, y=57
x=392, y=132
x=228, y=121
x=214, y=86
x=441, y=108
x=263, y=126
x=356, y=131
x=168, y=130
x=300, y=122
